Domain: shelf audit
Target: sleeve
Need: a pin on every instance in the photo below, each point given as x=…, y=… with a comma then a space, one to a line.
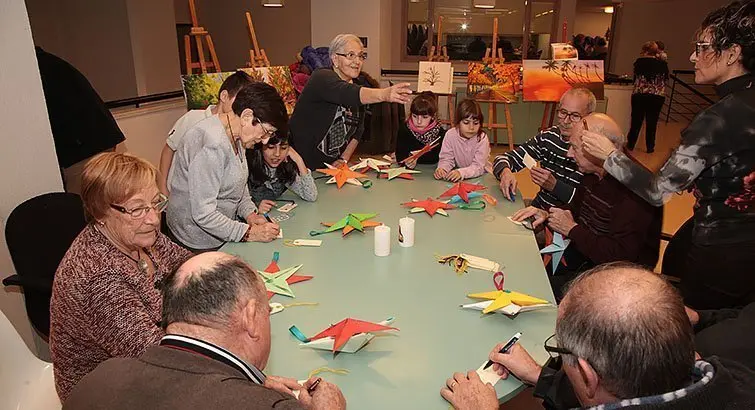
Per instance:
x=328, y=87
x=403, y=147
x=481, y=155
x=205, y=174
x=446, y=157
x=555, y=389
x=305, y=187
x=629, y=226
x=177, y=132
x=120, y=334
x=247, y=206
x=563, y=191
x=711, y=317
x=514, y=160
x=679, y=171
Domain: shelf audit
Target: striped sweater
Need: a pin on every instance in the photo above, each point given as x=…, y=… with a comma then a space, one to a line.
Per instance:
x=549, y=149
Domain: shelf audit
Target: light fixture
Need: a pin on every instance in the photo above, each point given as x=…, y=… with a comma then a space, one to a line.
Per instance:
x=608, y=9
x=272, y=3
x=464, y=26
x=484, y=4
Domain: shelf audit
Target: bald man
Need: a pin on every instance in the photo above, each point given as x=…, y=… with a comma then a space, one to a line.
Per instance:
x=606, y=221
x=217, y=323
x=625, y=340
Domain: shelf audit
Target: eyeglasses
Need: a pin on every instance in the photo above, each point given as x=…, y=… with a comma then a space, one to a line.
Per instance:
x=573, y=116
x=701, y=46
x=158, y=204
x=268, y=131
x=551, y=346
x=351, y=56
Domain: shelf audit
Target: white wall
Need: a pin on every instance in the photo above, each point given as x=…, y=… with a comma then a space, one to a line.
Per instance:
x=592, y=23
x=147, y=127
x=28, y=165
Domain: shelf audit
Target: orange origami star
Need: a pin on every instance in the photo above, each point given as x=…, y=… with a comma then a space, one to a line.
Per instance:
x=430, y=206
x=462, y=189
x=342, y=174
x=345, y=329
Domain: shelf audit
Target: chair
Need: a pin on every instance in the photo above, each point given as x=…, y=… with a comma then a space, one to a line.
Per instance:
x=38, y=233
x=677, y=250
x=26, y=383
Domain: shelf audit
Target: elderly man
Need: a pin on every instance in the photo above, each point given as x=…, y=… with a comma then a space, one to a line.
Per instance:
x=217, y=341
x=606, y=222
x=625, y=340
x=557, y=174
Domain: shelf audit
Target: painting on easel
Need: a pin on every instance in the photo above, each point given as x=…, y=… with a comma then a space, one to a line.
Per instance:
x=280, y=78
x=494, y=81
x=201, y=90
x=434, y=76
x=548, y=80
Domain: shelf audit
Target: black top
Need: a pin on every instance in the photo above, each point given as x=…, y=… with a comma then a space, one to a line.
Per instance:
x=650, y=75
x=728, y=333
x=328, y=114
x=406, y=142
x=81, y=125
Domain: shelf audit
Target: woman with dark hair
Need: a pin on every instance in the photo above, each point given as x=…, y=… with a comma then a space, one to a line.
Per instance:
x=274, y=167
x=716, y=159
x=650, y=75
x=208, y=189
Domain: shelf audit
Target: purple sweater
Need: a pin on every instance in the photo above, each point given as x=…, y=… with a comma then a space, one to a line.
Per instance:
x=469, y=156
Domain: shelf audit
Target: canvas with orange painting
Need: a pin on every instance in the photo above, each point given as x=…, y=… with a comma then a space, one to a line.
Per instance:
x=548, y=80
x=494, y=82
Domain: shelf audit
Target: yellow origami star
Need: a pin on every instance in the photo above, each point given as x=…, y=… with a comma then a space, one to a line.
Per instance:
x=503, y=298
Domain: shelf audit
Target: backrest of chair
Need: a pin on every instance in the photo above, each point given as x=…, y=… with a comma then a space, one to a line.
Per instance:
x=675, y=256
x=38, y=233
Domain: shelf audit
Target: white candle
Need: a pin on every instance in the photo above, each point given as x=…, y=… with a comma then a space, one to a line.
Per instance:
x=406, y=232
x=382, y=240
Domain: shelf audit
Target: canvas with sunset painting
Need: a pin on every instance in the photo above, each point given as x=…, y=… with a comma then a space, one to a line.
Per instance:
x=548, y=80
x=494, y=82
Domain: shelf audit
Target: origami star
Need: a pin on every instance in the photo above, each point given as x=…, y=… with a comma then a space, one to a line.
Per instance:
x=345, y=329
x=457, y=199
x=276, y=282
x=416, y=154
x=556, y=250
x=348, y=223
x=503, y=298
x=402, y=172
x=370, y=163
x=462, y=189
x=430, y=206
x=273, y=268
x=341, y=175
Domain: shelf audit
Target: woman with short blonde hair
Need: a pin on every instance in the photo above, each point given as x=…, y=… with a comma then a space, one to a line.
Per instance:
x=105, y=300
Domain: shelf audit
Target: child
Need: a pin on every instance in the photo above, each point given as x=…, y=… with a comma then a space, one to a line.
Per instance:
x=226, y=96
x=275, y=167
x=421, y=128
x=466, y=148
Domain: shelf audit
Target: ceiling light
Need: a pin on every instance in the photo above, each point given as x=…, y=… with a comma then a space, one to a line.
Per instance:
x=464, y=26
x=272, y=3
x=608, y=9
x=484, y=4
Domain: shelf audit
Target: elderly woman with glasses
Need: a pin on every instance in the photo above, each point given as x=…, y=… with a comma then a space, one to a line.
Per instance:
x=105, y=302
x=716, y=160
x=210, y=202
x=329, y=117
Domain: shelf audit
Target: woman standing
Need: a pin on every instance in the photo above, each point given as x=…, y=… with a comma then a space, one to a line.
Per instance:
x=650, y=75
x=716, y=159
x=328, y=120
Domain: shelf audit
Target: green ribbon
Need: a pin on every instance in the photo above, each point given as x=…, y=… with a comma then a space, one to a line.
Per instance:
x=474, y=205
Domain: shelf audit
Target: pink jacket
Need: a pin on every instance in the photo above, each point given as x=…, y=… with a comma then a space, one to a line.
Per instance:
x=469, y=156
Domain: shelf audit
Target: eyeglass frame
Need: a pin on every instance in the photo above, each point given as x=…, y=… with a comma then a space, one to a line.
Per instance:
x=570, y=115
x=555, y=349
x=158, y=206
x=256, y=121
x=700, y=45
x=351, y=56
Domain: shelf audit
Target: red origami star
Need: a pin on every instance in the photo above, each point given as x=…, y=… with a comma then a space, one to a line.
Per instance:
x=462, y=189
x=273, y=267
x=345, y=329
x=431, y=206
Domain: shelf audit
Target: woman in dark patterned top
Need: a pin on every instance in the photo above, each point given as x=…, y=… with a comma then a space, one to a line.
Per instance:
x=105, y=302
x=650, y=75
x=716, y=159
x=420, y=129
x=275, y=167
x=328, y=120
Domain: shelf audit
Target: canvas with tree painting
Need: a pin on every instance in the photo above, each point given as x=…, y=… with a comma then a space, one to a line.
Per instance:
x=548, y=80
x=436, y=77
x=280, y=78
x=494, y=82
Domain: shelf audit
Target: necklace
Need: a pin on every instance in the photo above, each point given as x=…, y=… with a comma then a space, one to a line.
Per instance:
x=140, y=263
x=234, y=141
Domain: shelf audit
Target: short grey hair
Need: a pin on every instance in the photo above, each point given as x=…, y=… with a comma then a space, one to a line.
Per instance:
x=640, y=346
x=619, y=139
x=340, y=41
x=592, y=102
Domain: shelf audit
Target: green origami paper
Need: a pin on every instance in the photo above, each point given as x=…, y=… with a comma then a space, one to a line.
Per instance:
x=276, y=282
x=349, y=223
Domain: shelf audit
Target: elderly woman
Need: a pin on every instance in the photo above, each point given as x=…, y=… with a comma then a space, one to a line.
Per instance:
x=716, y=159
x=328, y=120
x=105, y=302
x=210, y=202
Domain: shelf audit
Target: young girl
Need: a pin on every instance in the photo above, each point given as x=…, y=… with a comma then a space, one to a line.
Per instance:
x=275, y=167
x=421, y=128
x=466, y=148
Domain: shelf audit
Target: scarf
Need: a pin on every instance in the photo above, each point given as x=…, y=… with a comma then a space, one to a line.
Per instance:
x=426, y=135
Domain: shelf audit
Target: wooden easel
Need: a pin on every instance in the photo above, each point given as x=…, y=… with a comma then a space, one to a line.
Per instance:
x=257, y=56
x=549, y=109
x=440, y=53
x=494, y=55
x=199, y=33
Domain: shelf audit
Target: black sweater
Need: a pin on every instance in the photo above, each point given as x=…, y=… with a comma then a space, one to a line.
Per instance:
x=406, y=143
x=728, y=333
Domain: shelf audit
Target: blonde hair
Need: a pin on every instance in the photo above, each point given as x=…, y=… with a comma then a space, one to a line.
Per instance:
x=112, y=178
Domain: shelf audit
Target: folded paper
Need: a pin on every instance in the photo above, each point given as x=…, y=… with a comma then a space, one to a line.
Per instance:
x=429, y=205
x=342, y=175
x=508, y=310
x=463, y=261
x=401, y=172
x=462, y=189
x=348, y=224
x=503, y=298
x=556, y=249
x=366, y=164
x=420, y=152
x=348, y=335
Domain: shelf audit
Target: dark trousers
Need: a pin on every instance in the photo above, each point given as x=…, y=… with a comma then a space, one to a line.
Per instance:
x=719, y=276
x=645, y=107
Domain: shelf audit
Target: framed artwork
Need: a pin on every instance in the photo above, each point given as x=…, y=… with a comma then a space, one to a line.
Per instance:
x=564, y=51
x=280, y=78
x=494, y=82
x=548, y=80
x=437, y=77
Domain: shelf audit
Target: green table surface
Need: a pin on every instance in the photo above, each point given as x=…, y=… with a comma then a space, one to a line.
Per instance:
x=436, y=338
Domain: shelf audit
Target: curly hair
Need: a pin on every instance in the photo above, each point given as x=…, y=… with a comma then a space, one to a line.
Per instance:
x=286, y=172
x=730, y=25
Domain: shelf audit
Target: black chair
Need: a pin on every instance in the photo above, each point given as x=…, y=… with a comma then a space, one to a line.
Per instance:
x=38, y=233
x=677, y=250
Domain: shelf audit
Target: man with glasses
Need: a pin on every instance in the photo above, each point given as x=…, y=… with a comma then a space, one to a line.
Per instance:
x=624, y=340
x=557, y=175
